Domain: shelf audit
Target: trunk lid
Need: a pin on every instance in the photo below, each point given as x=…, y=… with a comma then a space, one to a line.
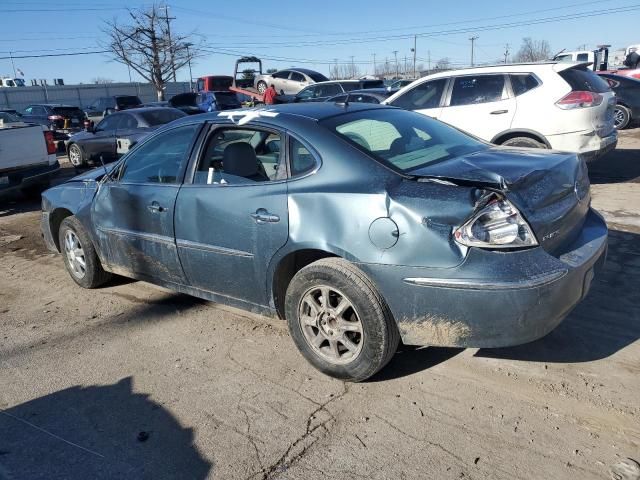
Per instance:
x=550, y=189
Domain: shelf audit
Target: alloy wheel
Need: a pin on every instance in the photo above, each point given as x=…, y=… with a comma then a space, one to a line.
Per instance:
x=75, y=254
x=330, y=324
x=75, y=156
x=618, y=117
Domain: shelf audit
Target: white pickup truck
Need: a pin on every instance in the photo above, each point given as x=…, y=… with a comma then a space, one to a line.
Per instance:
x=27, y=157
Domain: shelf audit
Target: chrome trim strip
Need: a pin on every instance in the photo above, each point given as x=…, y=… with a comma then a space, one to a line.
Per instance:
x=152, y=237
x=472, y=284
x=213, y=249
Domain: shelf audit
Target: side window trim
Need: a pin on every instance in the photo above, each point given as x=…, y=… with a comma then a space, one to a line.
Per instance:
x=183, y=166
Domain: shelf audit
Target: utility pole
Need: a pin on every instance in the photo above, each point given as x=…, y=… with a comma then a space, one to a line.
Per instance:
x=473, y=39
x=13, y=65
x=168, y=20
x=189, y=61
x=415, y=41
x=353, y=68
x=506, y=53
x=395, y=53
x=374, y=63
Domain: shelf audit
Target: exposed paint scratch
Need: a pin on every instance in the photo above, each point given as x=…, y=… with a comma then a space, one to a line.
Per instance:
x=433, y=330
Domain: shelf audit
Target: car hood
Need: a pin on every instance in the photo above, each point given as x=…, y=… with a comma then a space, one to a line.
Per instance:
x=551, y=189
x=80, y=136
x=92, y=175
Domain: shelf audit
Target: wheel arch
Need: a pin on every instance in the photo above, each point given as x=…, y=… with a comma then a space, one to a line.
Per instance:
x=520, y=132
x=55, y=220
x=284, y=269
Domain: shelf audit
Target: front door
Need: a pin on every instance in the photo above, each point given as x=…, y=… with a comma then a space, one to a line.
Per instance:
x=233, y=218
x=480, y=105
x=102, y=141
x=134, y=214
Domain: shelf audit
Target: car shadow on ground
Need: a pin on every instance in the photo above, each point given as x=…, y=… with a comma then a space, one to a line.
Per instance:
x=620, y=165
x=409, y=360
x=97, y=432
x=607, y=321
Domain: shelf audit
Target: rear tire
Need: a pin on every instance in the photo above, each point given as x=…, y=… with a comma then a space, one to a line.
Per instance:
x=339, y=321
x=523, y=142
x=80, y=257
x=76, y=157
x=262, y=87
x=621, y=117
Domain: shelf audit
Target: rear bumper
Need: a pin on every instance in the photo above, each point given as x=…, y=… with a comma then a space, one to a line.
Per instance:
x=587, y=143
x=493, y=299
x=25, y=177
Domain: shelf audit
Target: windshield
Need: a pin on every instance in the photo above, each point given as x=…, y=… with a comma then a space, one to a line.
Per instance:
x=403, y=140
x=161, y=116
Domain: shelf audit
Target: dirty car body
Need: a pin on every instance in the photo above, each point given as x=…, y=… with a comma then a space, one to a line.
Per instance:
x=461, y=243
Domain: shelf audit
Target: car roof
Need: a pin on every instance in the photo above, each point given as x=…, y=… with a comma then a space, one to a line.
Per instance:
x=52, y=105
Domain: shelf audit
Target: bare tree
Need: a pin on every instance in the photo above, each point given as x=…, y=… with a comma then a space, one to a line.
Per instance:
x=443, y=64
x=271, y=70
x=101, y=80
x=345, y=71
x=533, y=51
x=148, y=46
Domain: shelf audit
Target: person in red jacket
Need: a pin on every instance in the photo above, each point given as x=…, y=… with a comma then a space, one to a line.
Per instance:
x=270, y=95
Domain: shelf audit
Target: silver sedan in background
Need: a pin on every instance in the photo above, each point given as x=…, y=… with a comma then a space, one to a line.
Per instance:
x=289, y=81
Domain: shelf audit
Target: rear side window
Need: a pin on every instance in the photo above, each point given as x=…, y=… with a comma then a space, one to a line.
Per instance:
x=583, y=57
x=474, y=89
x=327, y=90
x=297, y=77
x=301, y=160
x=161, y=116
x=425, y=95
x=581, y=79
x=523, y=83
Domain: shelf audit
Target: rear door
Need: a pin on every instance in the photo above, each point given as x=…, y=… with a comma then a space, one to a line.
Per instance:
x=481, y=105
x=425, y=98
x=279, y=80
x=233, y=217
x=134, y=214
x=297, y=82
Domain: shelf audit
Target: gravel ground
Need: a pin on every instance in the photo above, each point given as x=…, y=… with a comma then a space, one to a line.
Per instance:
x=133, y=381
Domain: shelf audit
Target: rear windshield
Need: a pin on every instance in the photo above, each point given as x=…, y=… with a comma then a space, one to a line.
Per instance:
x=581, y=79
x=227, y=98
x=128, y=100
x=161, y=116
x=405, y=141
x=68, y=111
x=317, y=77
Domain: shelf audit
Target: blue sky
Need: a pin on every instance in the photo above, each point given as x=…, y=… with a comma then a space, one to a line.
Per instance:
x=310, y=34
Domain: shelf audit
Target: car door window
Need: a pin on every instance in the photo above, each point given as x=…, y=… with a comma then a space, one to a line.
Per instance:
x=159, y=159
x=128, y=122
x=28, y=111
x=297, y=77
x=474, y=89
x=307, y=93
x=37, y=110
x=327, y=90
x=583, y=57
x=240, y=156
x=281, y=75
x=422, y=96
x=110, y=123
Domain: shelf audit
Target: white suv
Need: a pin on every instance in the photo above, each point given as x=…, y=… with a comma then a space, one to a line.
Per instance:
x=563, y=106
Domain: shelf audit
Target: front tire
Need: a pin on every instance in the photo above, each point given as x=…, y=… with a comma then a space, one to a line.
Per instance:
x=76, y=157
x=80, y=257
x=621, y=117
x=339, y=321
x=262, y=87
x=523, y=142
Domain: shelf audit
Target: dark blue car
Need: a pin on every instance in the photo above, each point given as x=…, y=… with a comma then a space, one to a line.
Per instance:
x=360, y=224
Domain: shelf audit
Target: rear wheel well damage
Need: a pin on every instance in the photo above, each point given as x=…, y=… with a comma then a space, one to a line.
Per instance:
x=504, y=136
x=291, y=264
x=55, y=219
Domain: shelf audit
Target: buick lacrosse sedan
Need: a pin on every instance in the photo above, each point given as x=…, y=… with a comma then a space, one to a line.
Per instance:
x=361, y=225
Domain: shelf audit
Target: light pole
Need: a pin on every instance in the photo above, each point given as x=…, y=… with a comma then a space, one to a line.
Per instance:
x=12, y=64
x=395, y=53
x=189, y=63
x=473, y=39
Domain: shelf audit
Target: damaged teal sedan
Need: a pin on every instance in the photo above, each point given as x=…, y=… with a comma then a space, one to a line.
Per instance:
x=360, y=225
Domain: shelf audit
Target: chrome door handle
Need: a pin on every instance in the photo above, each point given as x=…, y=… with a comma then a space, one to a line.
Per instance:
x=499, y=112
x=263, y=216
x=155, y=207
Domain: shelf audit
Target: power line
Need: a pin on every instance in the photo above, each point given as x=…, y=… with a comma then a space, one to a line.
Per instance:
x=55, y=55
